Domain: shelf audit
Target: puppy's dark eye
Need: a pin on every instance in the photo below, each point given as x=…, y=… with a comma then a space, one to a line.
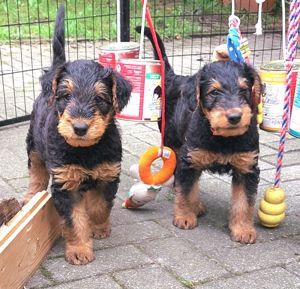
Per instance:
x=63, y=96
x=102, y=98
x=244, y=91
x=103, y=104
x=214, y=93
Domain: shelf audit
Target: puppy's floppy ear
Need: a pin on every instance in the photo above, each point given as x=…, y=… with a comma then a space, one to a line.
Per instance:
x=257, y=87
x=121, y=88
x=55, y=76
x=122, y=91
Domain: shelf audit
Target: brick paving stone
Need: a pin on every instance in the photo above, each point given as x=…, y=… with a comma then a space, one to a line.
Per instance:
x=274, y=278
x=291, y=188
x=217, y=186
x=129, y=140
x=294, y=268
x=20, y=153
x=123, y=220
x=293, y=205
x=289, y=173
x=153, y=137
x=152, y=124
x=134, y=127
x=290, y=158
x=264, y=165
x=107, y=261
x=267, y=150
x=151, y=211
x=137, y=148
x=38, y=280
x=20, y=185
x=217, y=210
x=130, y=160
x=132, y=233
x=58, y=249
x=257, y=256
x=6, y=190
x=150, y=277
x=125, y=184
x=183, y=259
x=289, y=227
x=291, y=145
x=206, y=237
x=12, y=166
x=97, y=282
x=268, y=137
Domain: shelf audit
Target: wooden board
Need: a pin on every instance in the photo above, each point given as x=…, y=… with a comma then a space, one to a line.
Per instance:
x=26, y=240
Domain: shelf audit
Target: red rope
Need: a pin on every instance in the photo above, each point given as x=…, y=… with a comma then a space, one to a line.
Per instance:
x=162, y=65
x=293, y=37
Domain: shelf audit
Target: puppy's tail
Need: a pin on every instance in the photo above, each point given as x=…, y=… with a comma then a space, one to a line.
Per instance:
x=59, y=56
x=148, y=34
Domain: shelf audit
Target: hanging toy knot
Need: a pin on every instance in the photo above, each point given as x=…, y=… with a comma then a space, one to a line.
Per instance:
x=234, y=22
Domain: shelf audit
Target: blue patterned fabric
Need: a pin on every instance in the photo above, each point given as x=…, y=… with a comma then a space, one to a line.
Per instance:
x=233, y=45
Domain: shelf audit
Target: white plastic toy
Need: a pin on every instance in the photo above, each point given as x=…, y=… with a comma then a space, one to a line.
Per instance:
x=141, y=193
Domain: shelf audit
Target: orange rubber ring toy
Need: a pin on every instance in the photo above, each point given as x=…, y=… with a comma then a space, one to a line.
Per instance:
x=169, y=164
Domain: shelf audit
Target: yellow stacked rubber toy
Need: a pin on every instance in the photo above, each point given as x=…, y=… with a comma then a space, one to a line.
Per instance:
x=272, y=207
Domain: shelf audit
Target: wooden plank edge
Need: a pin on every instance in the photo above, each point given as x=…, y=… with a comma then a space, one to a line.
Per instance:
x=14, y=271
x=37, y=200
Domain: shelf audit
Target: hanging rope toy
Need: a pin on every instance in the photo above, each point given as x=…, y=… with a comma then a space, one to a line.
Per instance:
x=233, y=39
x=238, y=48
x=150, y=184
x=272, y=207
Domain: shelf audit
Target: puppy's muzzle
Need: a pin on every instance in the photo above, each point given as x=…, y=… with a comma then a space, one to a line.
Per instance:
x=80, y=128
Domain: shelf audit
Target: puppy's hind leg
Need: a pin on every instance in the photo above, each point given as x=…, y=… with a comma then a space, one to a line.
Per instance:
x=39, y=176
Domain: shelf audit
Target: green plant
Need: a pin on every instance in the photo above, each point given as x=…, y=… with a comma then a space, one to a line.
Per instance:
x=89, y=19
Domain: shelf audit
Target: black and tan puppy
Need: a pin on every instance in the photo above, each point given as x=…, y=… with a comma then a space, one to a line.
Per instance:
x=211, y=124
x=74, y=138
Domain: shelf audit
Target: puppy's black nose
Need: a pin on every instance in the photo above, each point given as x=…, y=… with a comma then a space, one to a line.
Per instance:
x=234, y=117
x=80, y=128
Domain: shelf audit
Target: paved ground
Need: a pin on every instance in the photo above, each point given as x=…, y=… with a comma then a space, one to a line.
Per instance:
x=146, y=251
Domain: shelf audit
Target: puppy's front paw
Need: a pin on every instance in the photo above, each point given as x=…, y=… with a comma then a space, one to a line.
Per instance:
x=79, y=255
x=185, y=222
x=245, y=235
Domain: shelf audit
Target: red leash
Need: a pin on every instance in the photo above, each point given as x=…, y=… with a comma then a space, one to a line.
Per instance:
x=162, y=65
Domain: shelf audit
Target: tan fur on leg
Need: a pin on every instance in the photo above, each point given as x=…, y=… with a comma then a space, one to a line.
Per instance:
x=187, y=207
x=241, y=217
x=99, y=214
x=78, y=244
x=39, y=176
